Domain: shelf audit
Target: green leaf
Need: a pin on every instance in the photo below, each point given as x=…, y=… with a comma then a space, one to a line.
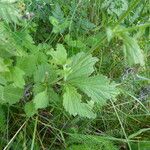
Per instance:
x=24, y=40
x=117, y=7
x=30, y=109
x=8, y=11
x=75, y=43
x=1, y=94
x=12, y=94
x=41, y=100
x=72, y=103
x=11, y=42
x=98, y=88
x=109, y=34
x=45, y=73
x=57, y=26
x=27, y=64
x=60, y=55
x=18, y=77
x=133, y=53
x=38, y=87
x=82, y=65
x=3, y=66
x=86, y=24
x=53, y=96
x=2, y=80
x=59, y=22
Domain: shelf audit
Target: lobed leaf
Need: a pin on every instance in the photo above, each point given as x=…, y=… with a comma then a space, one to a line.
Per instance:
x=133, y=53
x=45, y=73
x=12, y=94
x=3, y=66
x=8, y=11
x=18, y=77
x=41, y=100
x=30, y=109
x=60, y=55
x=97, y=87
x=82, y=65
x=72, y=103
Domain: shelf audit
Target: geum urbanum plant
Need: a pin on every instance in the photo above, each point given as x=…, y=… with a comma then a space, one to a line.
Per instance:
x=47, y=72
x=74, y=77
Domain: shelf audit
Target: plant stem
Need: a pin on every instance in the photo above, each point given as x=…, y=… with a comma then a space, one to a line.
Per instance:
x=34, y=133
x=134, y=27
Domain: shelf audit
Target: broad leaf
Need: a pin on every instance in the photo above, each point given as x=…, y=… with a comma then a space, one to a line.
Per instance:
x=53, y=96
x=30, y=109
x=117, y=7
x=98, y=88
x=60, y=55
x=2, y=80
x=72, y=103
x=27, y=64
x=133, y=53
x=57, y=26
x=38, y=88
x=8, y=11
x=75, y=43
x=59, y=22
x=3, y=66
x=1, y=94
x=82, y=65
x=10, y=43
x=12, y=94
x=45, y=73
x=18, y=77
x=41, y=100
